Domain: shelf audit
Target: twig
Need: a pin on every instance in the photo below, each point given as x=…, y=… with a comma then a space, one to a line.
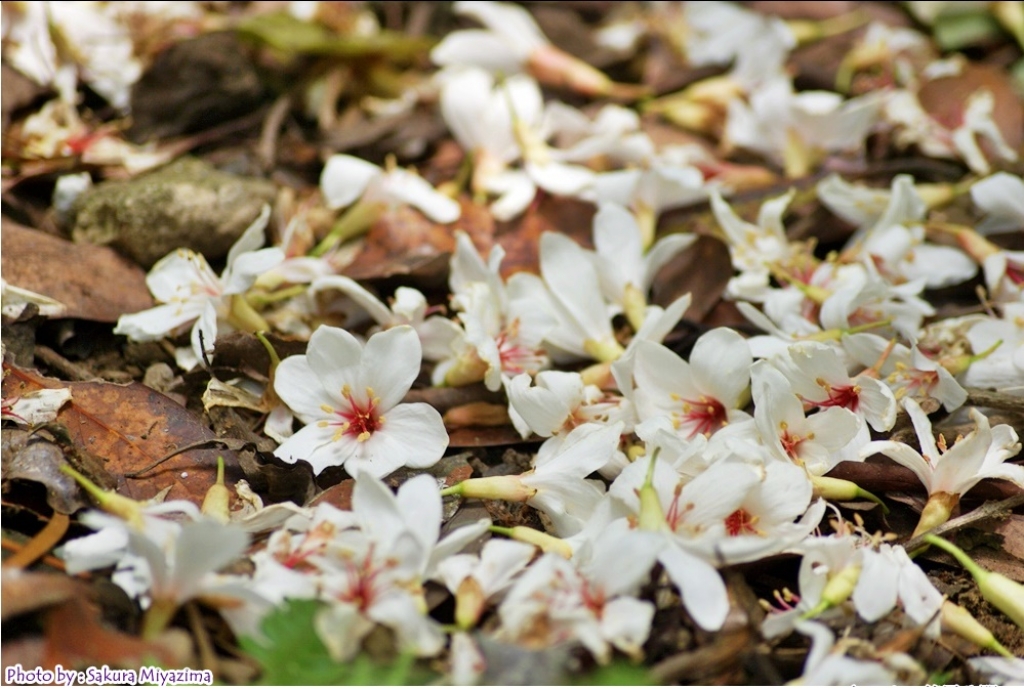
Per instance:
x=228, y=443
x=41, y=543
x=207, y=656
x=978, y=397
x=68, y=368
x=986, y=511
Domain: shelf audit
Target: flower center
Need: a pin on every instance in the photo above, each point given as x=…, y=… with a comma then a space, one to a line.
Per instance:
x=516, y=357
x=740, y=523
x=847, y=396
x=359, y=417
x=791, y=442
x=704, y=415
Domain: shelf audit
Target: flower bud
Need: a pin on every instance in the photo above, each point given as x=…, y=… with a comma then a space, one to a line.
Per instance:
x=509, y=488
x=218, y=498
x=544, y=541
x=1002, y=592
x=957, y=620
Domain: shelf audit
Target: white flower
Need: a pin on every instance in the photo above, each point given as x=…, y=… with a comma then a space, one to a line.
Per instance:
x=812, y=442
x=915, y=126
x=409, y=307
x=558, y=402
x=346, y=178
x=825, y=668
x=625, y=271
x=907, y=372
x=349, y=397
x=1001, y=671
x=1003, y=338
x=588, y=600
x=585, y=327
x=36, y=407
x=190, y=293
x=505, y=323
x=511, y=43
x=699, y=396
x=1001, y=197
x=819, y=378
x=798, y=129
x=979, y=455
x=475, y=580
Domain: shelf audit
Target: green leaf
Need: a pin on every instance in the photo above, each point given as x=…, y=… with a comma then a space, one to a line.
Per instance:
x=292, y=36
x=291, y=653
x=618, y=674
x=956, y=31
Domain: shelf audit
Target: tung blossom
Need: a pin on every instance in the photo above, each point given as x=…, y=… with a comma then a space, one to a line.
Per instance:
x=349, y=397
x=948, y=473
x=191, y=294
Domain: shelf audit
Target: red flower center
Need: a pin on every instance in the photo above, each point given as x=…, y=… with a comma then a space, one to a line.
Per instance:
x=360, y=418
x=846, y=396
x=740, y=523
x=704, y=415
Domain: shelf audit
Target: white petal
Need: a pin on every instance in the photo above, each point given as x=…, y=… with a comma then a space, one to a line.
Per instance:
x=720, y=364
x=345, y=178
x=390, y=363
x=700, y=586
x=333, y=355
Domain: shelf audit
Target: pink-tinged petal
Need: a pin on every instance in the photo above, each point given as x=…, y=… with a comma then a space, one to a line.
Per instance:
x=299, y=387
x=904, y=455
x=391, y=361
x=333, y=354
x=877, y=403
x=345, y=178
x=317, y=446
x=720, y=365
x=700, y=586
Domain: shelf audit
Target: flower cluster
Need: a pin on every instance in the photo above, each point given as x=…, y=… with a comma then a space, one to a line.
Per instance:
x=659, y=465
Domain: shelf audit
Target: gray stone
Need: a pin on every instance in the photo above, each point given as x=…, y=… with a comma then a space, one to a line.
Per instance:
x=186, y=204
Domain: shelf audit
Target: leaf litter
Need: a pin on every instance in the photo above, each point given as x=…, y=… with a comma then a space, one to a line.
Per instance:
x=677, y=118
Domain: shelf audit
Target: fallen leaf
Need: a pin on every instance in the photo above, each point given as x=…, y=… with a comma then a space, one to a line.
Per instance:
x=945, y=98
x=35, y=459
x=703, y=270
x=520, y=237
x=102, y=285
x=480, y=436
x=92, y=643
x=130, y=427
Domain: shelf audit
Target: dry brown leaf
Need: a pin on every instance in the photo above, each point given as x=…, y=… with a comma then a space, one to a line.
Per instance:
x=521, y=237
x=945, y=99
x=94, y=282
x=703, y=270
x=131, y=427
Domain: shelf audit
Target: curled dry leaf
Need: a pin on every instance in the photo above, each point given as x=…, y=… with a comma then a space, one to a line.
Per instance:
x=131, y=427
x=35, y=459
x=103, y=285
